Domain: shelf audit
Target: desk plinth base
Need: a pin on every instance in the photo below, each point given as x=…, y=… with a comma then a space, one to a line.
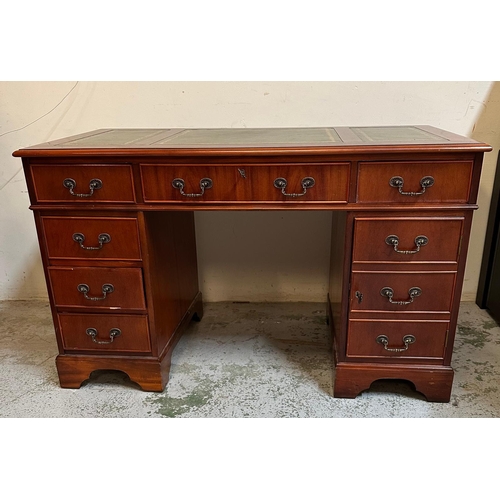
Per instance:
x=434, y=382
x=149, y=374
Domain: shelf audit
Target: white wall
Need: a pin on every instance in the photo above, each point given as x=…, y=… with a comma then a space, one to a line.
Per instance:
x=242, y=256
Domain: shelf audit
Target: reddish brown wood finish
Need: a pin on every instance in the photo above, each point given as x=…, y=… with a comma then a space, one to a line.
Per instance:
x=452, y=181
x=127, y=296
x=134, y=335
x=150, y=373
x=153, y=249
x=436, y=287
x=117, y=185
x=434, y=382
x=340, y=256
x=124, y=243
x=430, y=340
x=443, y=233
x=234, y=183
x=172, y=283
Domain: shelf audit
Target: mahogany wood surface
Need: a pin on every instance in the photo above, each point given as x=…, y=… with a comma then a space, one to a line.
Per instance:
x=234, y=183
x=117, y=184
x=452, y=181
x=150, y=373
x=151, y=256
x=436, y=291
x=340, y=255
x=134, y=335
x=443, y=239
x=434, y=382
x=124, y=243
x=430, y=339
x=172, y=280
x=127, y=294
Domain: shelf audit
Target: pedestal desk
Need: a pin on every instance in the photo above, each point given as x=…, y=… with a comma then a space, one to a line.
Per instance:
x=114, y=212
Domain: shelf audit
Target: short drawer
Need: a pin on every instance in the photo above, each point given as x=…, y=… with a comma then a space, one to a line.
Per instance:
x=402, y=291
x=105, y=332
x=407, y=239
x=103, y=238
x=264, y=182
x=397, y=339
x=109, y=289
x=414, y=182
x=83, y=183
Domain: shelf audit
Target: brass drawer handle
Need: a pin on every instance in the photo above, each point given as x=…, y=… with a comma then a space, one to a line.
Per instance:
x=412, y=292
x=306, y=183
x=420, y=241
x=205, y=183
x=70, y=184
x=398, y=182
x=85, y=289
x=407, y=340
x=114, y=332
x=102, y=239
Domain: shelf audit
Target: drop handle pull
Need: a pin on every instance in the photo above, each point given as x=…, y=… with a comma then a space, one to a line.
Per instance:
x=413, y=292
x=205, y=183
x=113, y=333
x=398, y=183
x=102, y=239
x=393, y=240
x=306, y=183
x=70, y=185
x=407, y=340
x=85, y=289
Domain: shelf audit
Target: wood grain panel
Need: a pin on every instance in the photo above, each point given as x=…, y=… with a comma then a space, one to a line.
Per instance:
x=246, y=182
x=430, y=339
x=452, y=181
x=134, y=332
x=443, y=235
x=437, y=291
x=128, y=293
x=117, y=185
x=172, y=281
x=124, y=235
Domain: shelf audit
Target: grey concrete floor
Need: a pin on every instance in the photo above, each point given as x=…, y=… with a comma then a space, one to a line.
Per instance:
x=241, y=360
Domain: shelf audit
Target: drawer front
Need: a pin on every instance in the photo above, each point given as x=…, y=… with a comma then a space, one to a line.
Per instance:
x=110, y=289
x=105, y=332
x=407, y=239
x=429, y=339
x=274, y=183
x=197, y=182
x=328, y=182
x=430, y=291
x=450, y=182
x=103, y=238
x=83, y=183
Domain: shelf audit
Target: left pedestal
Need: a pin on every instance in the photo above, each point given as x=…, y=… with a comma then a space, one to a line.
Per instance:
x=122, y=289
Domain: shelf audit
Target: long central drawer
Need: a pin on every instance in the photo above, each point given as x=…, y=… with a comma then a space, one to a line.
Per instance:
x=263, y=182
